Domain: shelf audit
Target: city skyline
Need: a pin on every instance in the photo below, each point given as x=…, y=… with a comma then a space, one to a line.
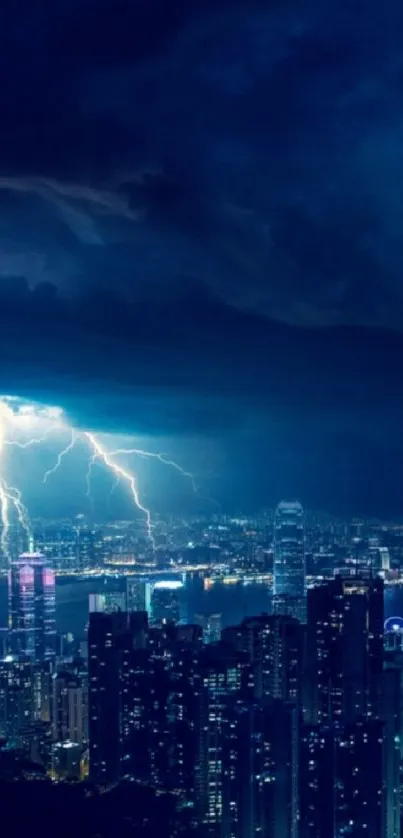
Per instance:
x=201, y=412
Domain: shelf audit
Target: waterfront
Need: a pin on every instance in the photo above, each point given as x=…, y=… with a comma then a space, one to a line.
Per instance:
x=233, y=602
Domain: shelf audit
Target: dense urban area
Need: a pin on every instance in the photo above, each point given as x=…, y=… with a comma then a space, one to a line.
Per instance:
x=227, y=677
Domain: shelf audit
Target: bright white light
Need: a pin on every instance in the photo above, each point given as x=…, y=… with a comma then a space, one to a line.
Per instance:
x=24, y=424
x=168, y=585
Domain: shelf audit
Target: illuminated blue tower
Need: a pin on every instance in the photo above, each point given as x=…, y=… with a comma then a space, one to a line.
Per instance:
x=289, y=577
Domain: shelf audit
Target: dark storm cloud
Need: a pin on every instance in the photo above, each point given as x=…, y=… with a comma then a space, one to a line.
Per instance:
x=256, y=142
x=204, y=200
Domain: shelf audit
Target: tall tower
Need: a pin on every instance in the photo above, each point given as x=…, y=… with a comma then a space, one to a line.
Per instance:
x=289, y=583
x=31, y=608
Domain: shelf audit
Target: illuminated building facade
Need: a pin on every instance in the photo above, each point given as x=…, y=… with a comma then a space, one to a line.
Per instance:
x=32, y=608
x=17, y=708
x=220, y=678
x=105, y=633
x=345, y=649
x=211, y=625
x=289, y=574
x=261, y=771
x=68, y=709
x=342, y=781
x=66, y=761
x=166, y=601
x=135, y=595
x=274, y=646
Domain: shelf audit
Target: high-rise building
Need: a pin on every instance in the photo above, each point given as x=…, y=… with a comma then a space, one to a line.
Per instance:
x=221, y=678
x=105, y=638
x=66, y=760
x=342, y=781
x=17, y=707
x=135, y=594
x=166, y=601
x=359, y=780
x=211, y=625
x=317, y=782
x=68, y=708
x=85, y=547
x=345, y=649
x=183, y=715
x=289, y=576
x=391, y=714
x=260, y=757
x=108, y=602
x=32, y=608
x=274, y=646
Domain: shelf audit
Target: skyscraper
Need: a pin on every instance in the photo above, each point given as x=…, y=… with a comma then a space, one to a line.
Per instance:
x=342, y=781
x=31, y=603
x=289, y=577
x=105, y=633
x=345, y=649
x=221, y=677
x=260, y=768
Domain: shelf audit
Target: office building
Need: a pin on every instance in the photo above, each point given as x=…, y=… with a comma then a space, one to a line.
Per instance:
x=289, y=575
x=31, y=601
x=108, y=602
x=166, y=602
x=211, y=626
x=66, y=761
x=135, y=594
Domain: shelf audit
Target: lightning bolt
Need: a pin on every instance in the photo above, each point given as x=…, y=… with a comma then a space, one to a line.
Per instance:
x=106, y=456
x=20, y=417
x=162, y=458
x=61, y=457
x=11, y=497
x=30, y=442
x=113, y=488
x=4, y=501
x=91, y=464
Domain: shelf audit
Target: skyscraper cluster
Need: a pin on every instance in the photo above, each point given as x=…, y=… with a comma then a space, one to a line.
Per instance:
x=287, y=724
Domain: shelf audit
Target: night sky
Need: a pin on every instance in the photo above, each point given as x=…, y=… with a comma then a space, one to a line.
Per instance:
x=201, y=207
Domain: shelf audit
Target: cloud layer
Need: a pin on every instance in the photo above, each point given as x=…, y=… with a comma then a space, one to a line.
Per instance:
x=200, y=213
